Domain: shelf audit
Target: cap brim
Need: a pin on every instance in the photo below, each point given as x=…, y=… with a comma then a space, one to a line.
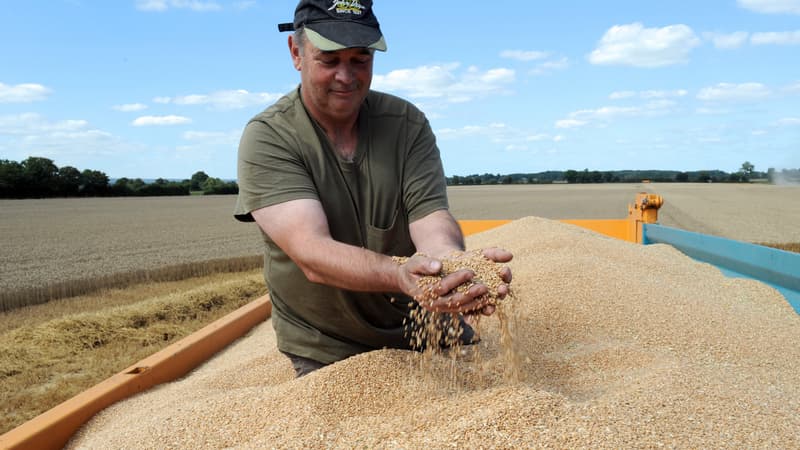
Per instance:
x=347, y=35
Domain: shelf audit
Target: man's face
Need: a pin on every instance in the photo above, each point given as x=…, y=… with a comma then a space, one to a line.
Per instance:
x=334, y=84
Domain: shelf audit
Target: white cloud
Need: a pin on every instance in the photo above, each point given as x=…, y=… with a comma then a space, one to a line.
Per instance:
x=634, y=45
x=570, y=123
x=776, y=38
x=711, y=111
x=445, y=82
x=734, y=92
x=130, y=107
x=23, y=93
x=771, y=6
x=539, y=137
x=648, y=95
x=31, y=133
x=605, y=113
x=163, y=5
x=498, y=133
x=223, y=100
x=160, y=120
x=523, y=55
x=622, y=94
x=492, y=130
x=31, y=123
x=516, y=148
x=727, y=40
x=789, y=122
x=794, y=87
x=550, y=66
x=556, y=64
x=657, y=106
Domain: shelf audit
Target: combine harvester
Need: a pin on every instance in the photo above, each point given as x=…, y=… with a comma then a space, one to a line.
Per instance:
x=53, y=429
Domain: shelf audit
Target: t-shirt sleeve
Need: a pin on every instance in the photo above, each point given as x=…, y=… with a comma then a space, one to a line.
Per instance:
x=270, y=170
x=425, y=186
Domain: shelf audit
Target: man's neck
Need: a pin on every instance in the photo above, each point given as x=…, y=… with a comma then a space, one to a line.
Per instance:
x=342, y=134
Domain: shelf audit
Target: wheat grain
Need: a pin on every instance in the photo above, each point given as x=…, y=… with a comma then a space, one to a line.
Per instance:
x=621, y=346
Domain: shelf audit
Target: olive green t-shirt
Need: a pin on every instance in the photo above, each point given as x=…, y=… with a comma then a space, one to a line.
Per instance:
x=395, y=178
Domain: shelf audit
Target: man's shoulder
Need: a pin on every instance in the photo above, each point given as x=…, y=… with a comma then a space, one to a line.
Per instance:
x=285, y=108
x=381, y=103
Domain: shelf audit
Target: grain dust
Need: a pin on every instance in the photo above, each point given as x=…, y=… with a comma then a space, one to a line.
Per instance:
x=620, y=346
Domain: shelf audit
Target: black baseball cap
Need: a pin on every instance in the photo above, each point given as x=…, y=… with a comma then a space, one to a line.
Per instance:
x=337, y=24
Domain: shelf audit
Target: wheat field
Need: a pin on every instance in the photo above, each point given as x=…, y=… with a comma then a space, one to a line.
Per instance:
x=53, y=248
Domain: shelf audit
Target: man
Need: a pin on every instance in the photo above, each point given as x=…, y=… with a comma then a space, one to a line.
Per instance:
x=340, y=178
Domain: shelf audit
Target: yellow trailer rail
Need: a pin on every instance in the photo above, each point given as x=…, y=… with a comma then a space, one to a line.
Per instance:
x=54, y=428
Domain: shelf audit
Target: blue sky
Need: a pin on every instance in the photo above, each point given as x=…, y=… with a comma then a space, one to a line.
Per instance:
x=163, y=88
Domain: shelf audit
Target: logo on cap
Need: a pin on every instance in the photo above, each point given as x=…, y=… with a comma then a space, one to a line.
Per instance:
x=347, y=7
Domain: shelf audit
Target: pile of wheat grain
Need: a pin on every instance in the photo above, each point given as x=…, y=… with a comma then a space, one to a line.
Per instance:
x=620, y=346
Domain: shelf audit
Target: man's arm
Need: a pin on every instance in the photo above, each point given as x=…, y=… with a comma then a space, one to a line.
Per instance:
x=437, y=235
x=300, y=228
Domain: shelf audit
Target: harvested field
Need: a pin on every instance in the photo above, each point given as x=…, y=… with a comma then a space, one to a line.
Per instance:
x=621, y=346
x=72, y=245
x=75, y=244
x=51, y=352
x=748, y=212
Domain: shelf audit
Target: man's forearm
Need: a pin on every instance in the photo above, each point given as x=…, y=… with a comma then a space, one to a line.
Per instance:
x=349, y=267
x=437, y=234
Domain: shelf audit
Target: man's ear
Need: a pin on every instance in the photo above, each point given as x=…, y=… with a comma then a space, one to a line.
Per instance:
x=294, y=50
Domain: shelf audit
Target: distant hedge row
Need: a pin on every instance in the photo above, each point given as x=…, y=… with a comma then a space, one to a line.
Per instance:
x=745, y=175
x=38, y=177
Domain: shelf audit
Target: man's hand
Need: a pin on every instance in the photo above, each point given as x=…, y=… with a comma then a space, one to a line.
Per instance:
x=498, y=255
x=444, y=296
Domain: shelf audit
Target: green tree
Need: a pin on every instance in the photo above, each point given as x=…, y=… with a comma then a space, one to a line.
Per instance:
x=39, y=176
x=571, y=176
x=93, y=183
x=11, y=179
x=682, y=177
x=122, y=187
x=69, y=181
x=197, y=180
x=137, y=184
x=215, y=186
x=747, y=170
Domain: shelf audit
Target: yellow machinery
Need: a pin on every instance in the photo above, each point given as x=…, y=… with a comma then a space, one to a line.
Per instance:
x=643, y=210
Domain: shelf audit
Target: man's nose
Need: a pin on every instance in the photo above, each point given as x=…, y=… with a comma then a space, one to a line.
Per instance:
x=344, y=73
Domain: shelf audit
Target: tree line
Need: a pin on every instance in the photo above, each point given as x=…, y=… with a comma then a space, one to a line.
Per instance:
x=746, y=174
x=37, y=177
